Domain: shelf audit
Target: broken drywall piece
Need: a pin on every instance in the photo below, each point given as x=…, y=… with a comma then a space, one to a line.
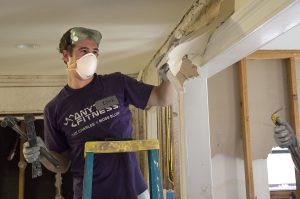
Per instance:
x=187, y=70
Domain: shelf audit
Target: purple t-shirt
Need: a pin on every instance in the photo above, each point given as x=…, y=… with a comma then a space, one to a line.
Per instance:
x=97, y=112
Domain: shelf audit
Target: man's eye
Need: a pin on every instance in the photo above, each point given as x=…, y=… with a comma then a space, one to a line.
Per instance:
x=84, y=51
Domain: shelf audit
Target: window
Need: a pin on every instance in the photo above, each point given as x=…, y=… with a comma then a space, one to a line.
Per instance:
x=281, y=170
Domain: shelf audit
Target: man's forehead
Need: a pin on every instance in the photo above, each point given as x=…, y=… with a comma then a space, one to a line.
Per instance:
x=87, y=47
x=88, y=43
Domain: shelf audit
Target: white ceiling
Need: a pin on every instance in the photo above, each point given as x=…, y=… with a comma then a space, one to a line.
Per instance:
x=132, y=32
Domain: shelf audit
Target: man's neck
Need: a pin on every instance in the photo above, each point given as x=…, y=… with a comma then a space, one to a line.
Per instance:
x=77, y=83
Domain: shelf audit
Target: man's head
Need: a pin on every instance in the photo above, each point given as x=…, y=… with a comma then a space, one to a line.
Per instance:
x=80, y=49
x=75, y=34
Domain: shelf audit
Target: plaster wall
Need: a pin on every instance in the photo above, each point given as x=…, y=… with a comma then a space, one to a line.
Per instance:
x=267, y=91
x=260, y=179
x=197, y=133
x=15, y=100
x=228, y=177
x=226, y=135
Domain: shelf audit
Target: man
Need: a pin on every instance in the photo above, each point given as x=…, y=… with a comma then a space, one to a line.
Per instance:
x=95, y=107
x=285, y=138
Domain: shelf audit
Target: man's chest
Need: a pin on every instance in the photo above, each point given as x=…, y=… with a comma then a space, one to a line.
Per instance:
x=98, y=118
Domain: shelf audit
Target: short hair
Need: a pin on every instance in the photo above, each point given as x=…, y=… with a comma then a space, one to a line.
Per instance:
x=66, y=43
x=69, y=38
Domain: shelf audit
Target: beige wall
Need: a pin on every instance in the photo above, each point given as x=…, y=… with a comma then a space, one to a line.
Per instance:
x=226, y=136
x=28, y=94
x=225, y=123
x=267, y=91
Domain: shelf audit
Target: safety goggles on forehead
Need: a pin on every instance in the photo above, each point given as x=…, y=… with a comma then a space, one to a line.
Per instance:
x=80, y=33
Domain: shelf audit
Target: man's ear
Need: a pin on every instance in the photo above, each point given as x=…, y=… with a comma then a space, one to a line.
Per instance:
x=65, y=56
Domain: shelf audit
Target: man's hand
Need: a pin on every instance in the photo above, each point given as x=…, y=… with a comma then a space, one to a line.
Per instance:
x=32, y=154
x=284, y=134
x=163, y=71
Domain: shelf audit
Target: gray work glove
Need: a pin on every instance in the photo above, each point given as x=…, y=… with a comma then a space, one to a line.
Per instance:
x=163, y=71
x=32, y=154
x=284, y=134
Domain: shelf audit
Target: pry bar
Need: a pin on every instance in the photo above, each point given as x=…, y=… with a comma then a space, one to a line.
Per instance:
x=12, y=123
x=31, y=138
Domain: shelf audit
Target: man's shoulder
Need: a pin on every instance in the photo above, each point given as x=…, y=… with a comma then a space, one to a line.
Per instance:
x=56, y=100
x=112, y=75
x=115, y=78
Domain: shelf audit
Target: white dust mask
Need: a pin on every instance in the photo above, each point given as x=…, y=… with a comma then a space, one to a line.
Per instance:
x=86, y=66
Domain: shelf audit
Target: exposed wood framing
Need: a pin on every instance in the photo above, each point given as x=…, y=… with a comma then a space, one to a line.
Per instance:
x=143, y=135
x=160, y=130
x=290, y=56
x=200, y=15
x=274, y=54
x=246, y=129
x=294, y=110
x=162, y=139
x=172, y=146
x=181, y=138
x=293, y=96
x=177, y=150
x=169, y=150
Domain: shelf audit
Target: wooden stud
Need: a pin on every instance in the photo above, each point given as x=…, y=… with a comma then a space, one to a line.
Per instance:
x=183, y=153
x=246, y=129
x=169, y=153
x=274, y=54
x=294, y=110
x=163, y=146
x=177, y=150
x=172, y=152
x=142, y=134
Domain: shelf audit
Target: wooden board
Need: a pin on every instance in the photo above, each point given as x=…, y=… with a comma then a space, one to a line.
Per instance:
x=246, y=129
x=274, y=54
x=294, y=110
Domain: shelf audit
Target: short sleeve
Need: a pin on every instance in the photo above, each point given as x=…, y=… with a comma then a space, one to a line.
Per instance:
x=136, y=93
x=55, y=140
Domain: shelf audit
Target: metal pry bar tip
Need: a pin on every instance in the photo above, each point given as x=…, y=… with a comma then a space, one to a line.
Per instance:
x=274, y=116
